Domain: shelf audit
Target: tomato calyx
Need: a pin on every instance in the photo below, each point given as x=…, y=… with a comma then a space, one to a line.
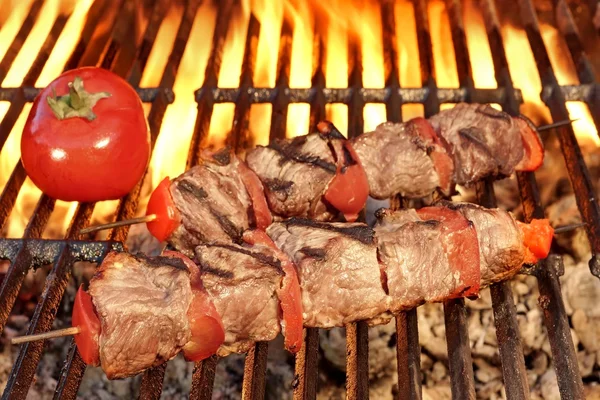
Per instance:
x=78, y=103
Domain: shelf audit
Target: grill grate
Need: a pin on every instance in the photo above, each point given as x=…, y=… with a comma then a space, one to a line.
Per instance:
x=111, y=50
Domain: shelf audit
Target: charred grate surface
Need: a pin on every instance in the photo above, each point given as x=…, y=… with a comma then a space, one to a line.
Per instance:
x=108, y=47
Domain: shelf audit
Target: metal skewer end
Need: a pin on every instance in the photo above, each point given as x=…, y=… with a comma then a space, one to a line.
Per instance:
x=132, y=221
x=556, y=124
x=74, y=330
x=568, y=228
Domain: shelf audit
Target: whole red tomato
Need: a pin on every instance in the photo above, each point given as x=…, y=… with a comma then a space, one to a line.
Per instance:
x=86, y=138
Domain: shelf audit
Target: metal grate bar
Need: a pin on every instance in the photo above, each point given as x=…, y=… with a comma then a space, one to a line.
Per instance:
x=505, y=316
x=255, y=372
x=317, y=103
x=393, y=104
x=19, y=40
x=459, y=352
x=281, y=100
x=558, y=329
x=203, y=378
x=357, y=333
x=211, y=79
x=578, y=172
x=152, y=383
x=240, y=134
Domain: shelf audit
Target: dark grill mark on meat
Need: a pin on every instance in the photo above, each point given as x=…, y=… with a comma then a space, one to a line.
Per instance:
x=290, y=153
x=194, y=190
x=228, y=227
x=362, y=233
x=161, y=261
x=216, y=271
x=223, y=156
x=348, y=159
x=312, y=252
x=263, y=258
x=278, y=185
x=493, y=113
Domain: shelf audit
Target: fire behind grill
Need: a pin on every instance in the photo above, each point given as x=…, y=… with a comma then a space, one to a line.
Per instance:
x=112, y=51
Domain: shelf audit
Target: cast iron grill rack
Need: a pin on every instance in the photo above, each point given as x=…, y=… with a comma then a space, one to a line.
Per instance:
x=110, y=51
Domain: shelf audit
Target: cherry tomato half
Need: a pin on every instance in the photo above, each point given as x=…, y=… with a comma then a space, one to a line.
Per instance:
x=253, y=185
x=205, y=322
x=161, y=205
x=537, y=238
x=90, y=143
x=84, y=317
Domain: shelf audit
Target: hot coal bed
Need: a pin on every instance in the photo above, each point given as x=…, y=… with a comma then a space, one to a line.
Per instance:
x=323, y=368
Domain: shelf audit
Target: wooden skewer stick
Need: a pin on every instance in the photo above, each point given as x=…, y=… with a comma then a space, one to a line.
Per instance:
x=132, y=221
x=556, y=124
x=74, y=330
x=568, y=228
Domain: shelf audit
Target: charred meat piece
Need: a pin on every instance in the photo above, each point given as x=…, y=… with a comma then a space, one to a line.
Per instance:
x=338, y=270
x=501, y=248
x=295, y=174
x=133, y=296
x=242, y=282
x=420, y=257
x=483, y=141
x=213, y=203
x=396, y=161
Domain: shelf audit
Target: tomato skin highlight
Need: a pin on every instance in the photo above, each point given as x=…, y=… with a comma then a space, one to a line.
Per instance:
x=290, y=297
x=75, y=159
x=161, y=205
x=206, y=326
x=85, y=318
x=254, y=187
x=537, y=238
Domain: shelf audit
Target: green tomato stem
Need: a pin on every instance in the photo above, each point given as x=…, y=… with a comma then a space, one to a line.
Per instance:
x=78, y=103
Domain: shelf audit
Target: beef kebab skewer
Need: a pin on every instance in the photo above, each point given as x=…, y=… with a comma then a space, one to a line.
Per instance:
x=141, y=311
x=322, y=175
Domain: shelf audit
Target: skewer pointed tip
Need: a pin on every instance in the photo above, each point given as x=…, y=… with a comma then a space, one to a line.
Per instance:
x=132, y=221
x=556, y=124
x=568, y=228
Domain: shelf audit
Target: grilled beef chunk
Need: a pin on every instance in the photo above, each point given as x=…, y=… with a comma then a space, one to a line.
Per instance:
x=420, y=264
x=213, y=203
x=483, y=141
x=501, y=248
x=242, y=282
x=338, y=270
x=142, y=305
x=295, y=173
x=396, y=161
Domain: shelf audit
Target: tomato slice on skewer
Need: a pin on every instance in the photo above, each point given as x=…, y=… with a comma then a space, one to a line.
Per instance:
x=161, y=205
x=289, y=294
x=533, y=156
x=206, y=326
x=85, y=318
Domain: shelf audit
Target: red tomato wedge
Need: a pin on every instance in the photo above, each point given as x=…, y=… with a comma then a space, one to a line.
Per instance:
x=206, y=325
x=85, y=318
x=349, y=189
x=162, y=205
x=262, y=213
x=442, y=162
x=289, y=294
x=461, y=245
x=533, y=156
x=537, y=237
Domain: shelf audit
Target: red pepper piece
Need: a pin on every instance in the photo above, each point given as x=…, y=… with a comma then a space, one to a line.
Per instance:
x=205, y=322
x=162, y=205
x=262, y=213
x=537, y=238
x=85, y=318
x=289, y=294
